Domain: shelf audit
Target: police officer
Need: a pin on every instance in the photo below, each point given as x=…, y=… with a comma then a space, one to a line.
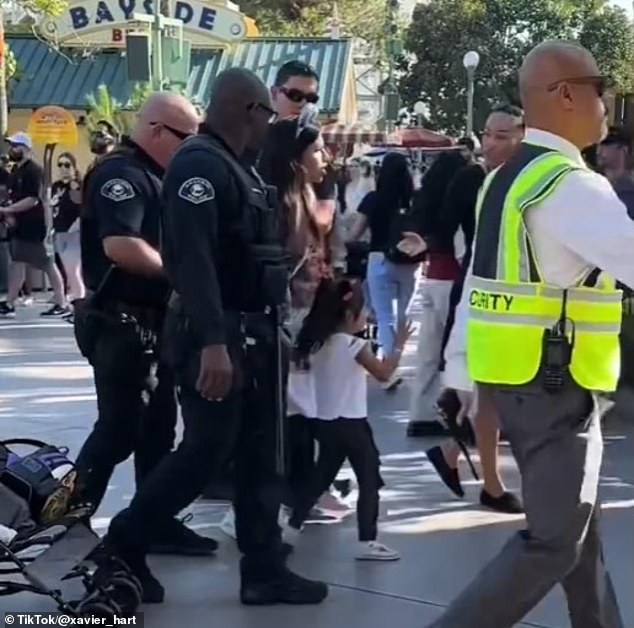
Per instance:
x=118, y=325
x=217, y=228
x=542, y=333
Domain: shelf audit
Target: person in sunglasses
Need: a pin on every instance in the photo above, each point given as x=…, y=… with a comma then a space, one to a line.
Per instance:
x=542, y=320
x=66, y=203
x=296, y=84
x=127, y=290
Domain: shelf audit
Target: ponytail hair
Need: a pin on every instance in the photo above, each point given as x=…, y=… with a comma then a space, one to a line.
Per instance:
x=333, y=300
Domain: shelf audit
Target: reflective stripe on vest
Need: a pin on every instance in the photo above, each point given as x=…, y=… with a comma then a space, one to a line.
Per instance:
x=509, y=312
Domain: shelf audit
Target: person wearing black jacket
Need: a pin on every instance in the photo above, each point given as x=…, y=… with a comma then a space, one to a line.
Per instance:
x=118, y=327
x=218, y=223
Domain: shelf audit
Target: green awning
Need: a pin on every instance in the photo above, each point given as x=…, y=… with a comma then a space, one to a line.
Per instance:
x=68, y=76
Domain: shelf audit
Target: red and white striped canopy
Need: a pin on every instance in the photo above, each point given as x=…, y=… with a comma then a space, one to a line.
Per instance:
x=351, y=134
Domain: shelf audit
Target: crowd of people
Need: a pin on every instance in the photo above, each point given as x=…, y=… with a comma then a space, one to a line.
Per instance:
x=185, y=230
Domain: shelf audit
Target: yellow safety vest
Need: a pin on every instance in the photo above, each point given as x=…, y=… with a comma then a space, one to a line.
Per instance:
x=510, y=306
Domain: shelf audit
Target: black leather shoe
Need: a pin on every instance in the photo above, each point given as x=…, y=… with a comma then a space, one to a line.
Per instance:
x=507, y=503
x=282, y=587
x=177, y=539
x=449, y=476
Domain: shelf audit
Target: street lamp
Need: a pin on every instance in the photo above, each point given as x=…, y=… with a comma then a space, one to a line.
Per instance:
x=420, y=109
x=470, y=61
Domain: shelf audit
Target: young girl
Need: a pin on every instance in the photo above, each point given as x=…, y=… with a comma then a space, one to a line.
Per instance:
x=338, y=360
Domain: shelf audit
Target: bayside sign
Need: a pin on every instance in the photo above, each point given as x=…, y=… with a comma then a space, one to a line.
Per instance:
x=104, y=22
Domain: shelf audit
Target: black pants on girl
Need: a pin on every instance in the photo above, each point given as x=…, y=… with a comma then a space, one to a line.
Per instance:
x=338, y=440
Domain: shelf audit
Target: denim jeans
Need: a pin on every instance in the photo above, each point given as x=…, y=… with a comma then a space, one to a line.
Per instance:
x=391, y=288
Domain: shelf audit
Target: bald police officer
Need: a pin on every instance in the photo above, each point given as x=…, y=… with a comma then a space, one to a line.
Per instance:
x=543, y=324
x=118, y=327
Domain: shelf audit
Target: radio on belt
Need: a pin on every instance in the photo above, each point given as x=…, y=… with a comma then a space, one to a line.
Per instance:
x=557, y=352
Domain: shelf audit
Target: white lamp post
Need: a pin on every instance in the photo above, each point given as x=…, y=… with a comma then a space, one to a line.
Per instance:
x=420, y=109
x=470, y=61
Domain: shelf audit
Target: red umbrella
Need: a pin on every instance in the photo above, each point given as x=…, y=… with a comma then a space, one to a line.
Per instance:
x=416, y=137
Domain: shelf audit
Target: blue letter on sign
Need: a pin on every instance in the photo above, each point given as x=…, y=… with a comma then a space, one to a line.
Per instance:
x=103, y=13
x=78, y=17
x=184, y=12
x=207, y=19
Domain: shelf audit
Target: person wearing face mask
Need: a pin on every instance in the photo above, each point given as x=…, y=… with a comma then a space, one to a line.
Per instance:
x=118, y=326
x=66, y=204
x=29, y=233
x=103, y=139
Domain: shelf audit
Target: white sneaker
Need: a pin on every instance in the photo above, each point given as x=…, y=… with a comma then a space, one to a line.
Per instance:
x=373, y=550
x=228, y=524
x=290, y=535
x=25, y=301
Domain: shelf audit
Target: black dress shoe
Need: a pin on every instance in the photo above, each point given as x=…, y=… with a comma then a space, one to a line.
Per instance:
x=179, y=540
x=507, y=503
x=281, y=587
x=449, y=476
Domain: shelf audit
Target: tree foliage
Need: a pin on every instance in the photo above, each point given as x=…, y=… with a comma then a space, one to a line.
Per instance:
x=103, y=106
x=502, y=31
x=364, y=19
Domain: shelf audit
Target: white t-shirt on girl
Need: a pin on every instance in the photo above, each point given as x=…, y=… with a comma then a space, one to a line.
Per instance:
x=300, y=393
x=341, y=385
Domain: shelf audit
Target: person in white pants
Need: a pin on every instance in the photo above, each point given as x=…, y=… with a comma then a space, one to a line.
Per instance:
x=453, y=204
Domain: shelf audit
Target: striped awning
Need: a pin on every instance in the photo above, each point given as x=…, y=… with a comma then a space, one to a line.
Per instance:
x=417, y=137
x=350, y=134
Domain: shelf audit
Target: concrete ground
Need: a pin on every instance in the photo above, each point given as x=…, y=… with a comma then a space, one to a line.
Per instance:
x=46, y=392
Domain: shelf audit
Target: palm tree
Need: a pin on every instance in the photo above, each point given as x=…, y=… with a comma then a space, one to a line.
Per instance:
x=103, y=106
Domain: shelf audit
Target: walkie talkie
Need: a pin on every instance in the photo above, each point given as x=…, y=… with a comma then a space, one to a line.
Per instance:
x=557, y=352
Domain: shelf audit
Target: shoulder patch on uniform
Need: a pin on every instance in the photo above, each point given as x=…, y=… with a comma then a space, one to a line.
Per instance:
x=197, y=190
x=117, y=190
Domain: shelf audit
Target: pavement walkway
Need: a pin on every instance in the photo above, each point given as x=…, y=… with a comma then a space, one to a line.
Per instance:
x=46, y=392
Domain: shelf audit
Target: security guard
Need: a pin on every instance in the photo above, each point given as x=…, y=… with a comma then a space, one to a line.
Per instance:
x=220, y=249
x=118, y=325
x=543, y=327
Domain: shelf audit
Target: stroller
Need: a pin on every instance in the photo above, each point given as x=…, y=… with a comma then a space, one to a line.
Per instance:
x=46, y=540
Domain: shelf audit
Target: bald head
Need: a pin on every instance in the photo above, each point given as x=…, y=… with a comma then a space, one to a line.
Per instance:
x=560, y=87
x=233, y=88
x=163, y=122
x=169, y=109
x=240, y=108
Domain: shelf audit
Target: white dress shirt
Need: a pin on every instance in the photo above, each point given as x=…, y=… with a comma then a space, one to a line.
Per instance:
x=582, y=225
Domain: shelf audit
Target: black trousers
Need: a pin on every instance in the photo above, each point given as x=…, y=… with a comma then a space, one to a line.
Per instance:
x=338, y=440
x=301, y=457
x=134, y=416
x=241, y=426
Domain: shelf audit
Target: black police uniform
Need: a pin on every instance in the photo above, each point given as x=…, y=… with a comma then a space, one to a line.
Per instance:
x=118, y=325
x=214, y=212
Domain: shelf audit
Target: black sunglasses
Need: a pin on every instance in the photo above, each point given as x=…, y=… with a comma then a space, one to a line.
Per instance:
x=297, y=95
x=600, y=83
x=258, y=106
x=181, y=135
x=64, y=164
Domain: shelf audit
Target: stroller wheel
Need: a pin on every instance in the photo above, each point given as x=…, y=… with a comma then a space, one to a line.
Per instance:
x=126, y=592
x=96, y=607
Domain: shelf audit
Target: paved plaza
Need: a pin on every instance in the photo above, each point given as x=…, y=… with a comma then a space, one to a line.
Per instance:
x=46, y=392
